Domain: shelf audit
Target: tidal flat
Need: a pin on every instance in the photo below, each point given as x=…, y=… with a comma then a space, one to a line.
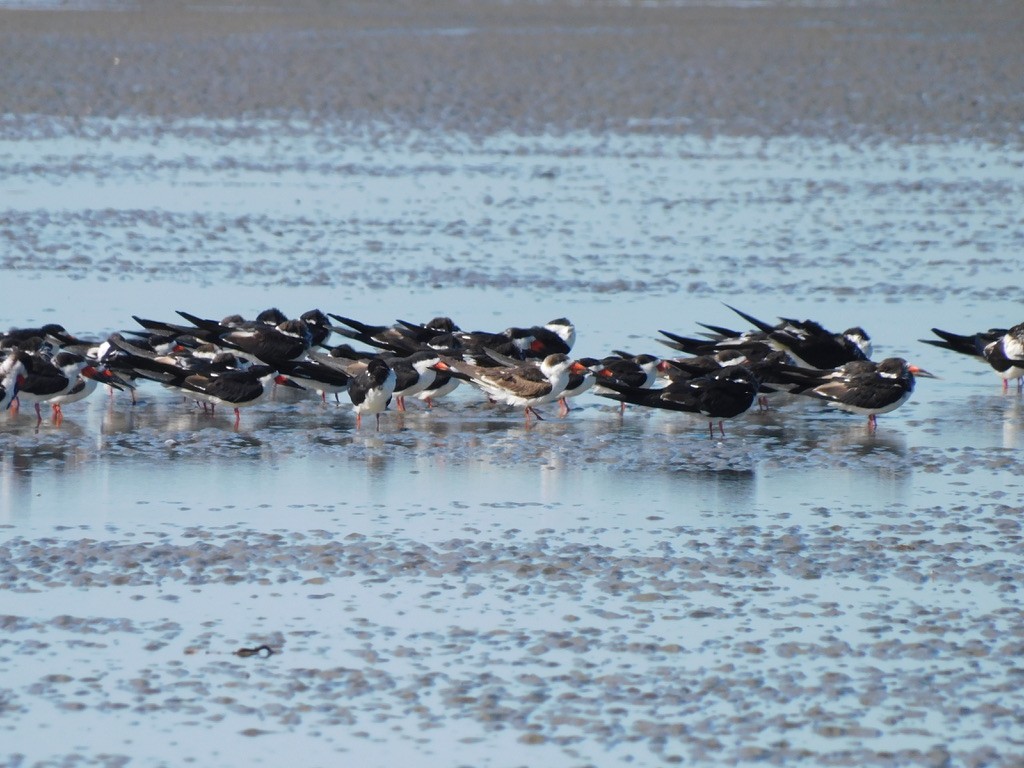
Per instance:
x=457, y=589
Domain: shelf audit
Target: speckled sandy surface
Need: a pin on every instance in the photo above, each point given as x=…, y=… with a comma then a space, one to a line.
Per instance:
x=907, y=70
x=456, y=589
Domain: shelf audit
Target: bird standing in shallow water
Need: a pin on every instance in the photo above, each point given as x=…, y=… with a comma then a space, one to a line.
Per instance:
x=48, y=378
x=1001, y=348
x=524, y=386
x=237, y=388
x=12, y=376
x=865, y=387
x=370, y=391
x=625, y=370
x=720, y=394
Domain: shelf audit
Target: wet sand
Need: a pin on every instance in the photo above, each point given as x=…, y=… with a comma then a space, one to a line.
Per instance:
x=855, y=71
x=456, y=589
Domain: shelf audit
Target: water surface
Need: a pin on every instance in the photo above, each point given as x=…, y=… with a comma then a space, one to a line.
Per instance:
x=596, y=590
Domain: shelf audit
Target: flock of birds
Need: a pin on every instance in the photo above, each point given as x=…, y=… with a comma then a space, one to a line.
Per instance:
x=719, y=373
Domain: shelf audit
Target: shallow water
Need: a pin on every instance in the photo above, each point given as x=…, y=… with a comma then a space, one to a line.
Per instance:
x=456, y=588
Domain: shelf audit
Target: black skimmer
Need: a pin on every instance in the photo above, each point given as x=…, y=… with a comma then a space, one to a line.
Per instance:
x=370, y=391
x=625, y=370
x=639, y=371
x=166, y=363
x=188, y=335
x=440, y=335
x=865, y=387
x=579, y=382
x=719, y=394
x=47, y=378
x=564, y=329
x=477, y=347
x=428, y=387
x=12, y=376
x=811, y=345
x=1001, y=348
x=554, y=337
x=400, y=338
x=523, y=386
x=319, y=327
x=269, y=316
x=52, y=333
x=200, y=362
x=255, y=337
x=120, y=360
x=413, y=374
x=90, y=377
x=685, y=368
x=174, y=368
x=236, y=388
x=581, y=377
x=434, y=326
x=807, y=342
x=773, y=370
x=442, y=386
x=8, y=391
x=479, y=350
x=769, y=366
x=322, y=373
x=514, y=343
x=272, y=345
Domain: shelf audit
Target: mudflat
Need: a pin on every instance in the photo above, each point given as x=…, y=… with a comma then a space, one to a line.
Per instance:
x=902, y=71
x=603, y=589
